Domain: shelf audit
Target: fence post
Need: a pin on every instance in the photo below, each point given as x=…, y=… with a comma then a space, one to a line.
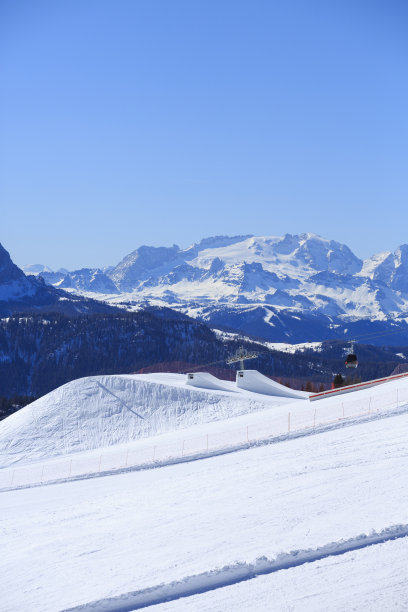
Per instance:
x=314, y=419
x=288, y=422
x=342, y=407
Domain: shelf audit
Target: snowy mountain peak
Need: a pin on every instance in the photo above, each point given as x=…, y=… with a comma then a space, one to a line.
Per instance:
x=135, y=266
x=389, y=268
x=371, y=265
x=21, y=293
x=297, y=256
x=8, y=270
x=215, y=242
x=303, y=272
x=36, y=269
x=401, y=255
x=88, y=279
x=13, y=282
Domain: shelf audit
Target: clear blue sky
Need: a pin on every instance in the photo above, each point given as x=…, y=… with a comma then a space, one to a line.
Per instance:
x=129, y=122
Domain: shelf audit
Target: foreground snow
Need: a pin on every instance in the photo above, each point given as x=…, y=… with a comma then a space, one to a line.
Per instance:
x=371, y=579
x=124, y=540
x=101, y=411
x=123, y=418
x=105, y=411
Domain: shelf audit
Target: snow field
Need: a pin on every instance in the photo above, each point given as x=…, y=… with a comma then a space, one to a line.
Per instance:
x=211, y=438
x=235, y=574
x=102, y=411
x=145, y=536
x=140, y=532
x=367, y=579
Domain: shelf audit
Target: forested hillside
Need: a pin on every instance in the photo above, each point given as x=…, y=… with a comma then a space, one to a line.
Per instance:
x=39, y=352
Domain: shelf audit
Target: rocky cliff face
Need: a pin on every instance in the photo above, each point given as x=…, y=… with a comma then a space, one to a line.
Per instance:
x=21, y=293
x=14, y=284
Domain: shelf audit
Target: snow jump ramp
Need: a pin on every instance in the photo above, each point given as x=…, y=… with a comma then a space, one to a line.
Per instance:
x=252, y=380
x=204, y=380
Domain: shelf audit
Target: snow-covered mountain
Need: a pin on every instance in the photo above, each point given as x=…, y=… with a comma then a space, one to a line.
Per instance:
x=262, y=285
x=245, y=263
x=50, y=277
x=19, y=292
x=87, y=279
x=36, y=269
x=389, y=268
x=14, y=284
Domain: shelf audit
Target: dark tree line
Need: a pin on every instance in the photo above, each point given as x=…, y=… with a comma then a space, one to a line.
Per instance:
x=8, y=405
x=39, y=352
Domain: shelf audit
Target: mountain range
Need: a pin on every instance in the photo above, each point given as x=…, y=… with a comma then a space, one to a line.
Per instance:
x=295, y=287
x=21, y=293
x=289, y=290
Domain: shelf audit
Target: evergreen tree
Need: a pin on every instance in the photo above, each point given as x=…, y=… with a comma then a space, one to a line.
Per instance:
x=338, y=381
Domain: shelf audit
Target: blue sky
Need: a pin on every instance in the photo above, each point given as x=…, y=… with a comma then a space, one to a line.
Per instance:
x=129, y=122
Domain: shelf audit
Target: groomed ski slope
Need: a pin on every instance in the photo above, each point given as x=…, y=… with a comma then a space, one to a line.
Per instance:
x=323, y=518
x=102, y=411
x=368, y=579
x=267, y=426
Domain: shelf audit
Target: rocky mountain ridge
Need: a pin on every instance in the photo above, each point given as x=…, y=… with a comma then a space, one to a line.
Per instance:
x=21, y=293
x=301, y=272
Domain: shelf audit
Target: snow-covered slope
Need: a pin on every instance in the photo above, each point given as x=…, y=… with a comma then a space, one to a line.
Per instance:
x=313, y=522
x=102, y=411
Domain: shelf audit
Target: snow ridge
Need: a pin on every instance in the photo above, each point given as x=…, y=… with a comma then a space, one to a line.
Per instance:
x=238, y=572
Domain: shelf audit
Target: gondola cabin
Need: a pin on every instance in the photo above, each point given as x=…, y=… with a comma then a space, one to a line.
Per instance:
x=351, y=361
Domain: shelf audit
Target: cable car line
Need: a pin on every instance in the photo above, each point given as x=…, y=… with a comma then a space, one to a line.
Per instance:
x=351, y=358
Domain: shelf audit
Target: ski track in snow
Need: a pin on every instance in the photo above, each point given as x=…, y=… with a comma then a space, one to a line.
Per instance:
x=105, y=388
x=306, y=432
x=236, y=573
